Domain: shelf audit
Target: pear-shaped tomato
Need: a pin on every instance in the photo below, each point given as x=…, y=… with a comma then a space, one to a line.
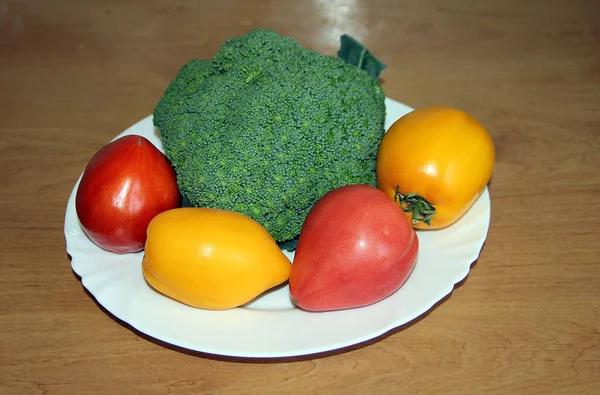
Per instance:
x=356, y=247
x=210, y=258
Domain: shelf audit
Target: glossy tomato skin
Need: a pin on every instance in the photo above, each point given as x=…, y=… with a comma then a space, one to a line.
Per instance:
x=126, y=184
x=356, y=247
x=440, y=153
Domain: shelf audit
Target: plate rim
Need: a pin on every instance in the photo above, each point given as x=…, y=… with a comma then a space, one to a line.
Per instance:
x=307, y=351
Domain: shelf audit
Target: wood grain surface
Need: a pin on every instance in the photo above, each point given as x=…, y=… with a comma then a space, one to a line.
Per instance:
x=73, y=74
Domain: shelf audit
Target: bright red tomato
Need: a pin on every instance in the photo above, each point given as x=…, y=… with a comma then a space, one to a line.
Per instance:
x=126, y=184
x=356, y=247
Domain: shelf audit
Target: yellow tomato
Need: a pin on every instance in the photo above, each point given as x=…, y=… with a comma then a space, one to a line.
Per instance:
x=210, y=258
x=435, y=162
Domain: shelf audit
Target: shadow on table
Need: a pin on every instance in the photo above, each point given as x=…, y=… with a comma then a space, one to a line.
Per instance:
x=298, y=358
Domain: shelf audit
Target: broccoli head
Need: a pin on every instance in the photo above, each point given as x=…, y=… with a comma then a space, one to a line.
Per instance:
x=266, y=128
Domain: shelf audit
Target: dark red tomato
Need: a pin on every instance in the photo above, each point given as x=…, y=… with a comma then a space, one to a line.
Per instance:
x=126, y=184
x=356, y=247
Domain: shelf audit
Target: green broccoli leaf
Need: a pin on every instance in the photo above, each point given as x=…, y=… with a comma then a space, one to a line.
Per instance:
x=289, y=245
x=358, y=55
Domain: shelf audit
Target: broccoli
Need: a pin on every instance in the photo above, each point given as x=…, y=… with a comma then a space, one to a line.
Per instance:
x=266, y=128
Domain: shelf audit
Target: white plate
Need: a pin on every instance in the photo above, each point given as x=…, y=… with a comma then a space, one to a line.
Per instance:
x=270, y=326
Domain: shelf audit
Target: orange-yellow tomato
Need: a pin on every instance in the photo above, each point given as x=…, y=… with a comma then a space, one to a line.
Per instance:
x=210, y=258
x=435, y=161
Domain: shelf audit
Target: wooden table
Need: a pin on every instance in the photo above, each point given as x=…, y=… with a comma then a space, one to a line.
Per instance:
x=74, y=74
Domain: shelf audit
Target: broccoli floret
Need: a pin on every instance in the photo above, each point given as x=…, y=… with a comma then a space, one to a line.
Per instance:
x=266, y=128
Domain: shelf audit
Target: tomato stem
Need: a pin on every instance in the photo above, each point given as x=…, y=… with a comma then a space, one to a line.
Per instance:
x=421, y=209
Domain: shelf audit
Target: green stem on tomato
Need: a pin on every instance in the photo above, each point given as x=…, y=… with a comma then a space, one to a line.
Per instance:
x=421, y=209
